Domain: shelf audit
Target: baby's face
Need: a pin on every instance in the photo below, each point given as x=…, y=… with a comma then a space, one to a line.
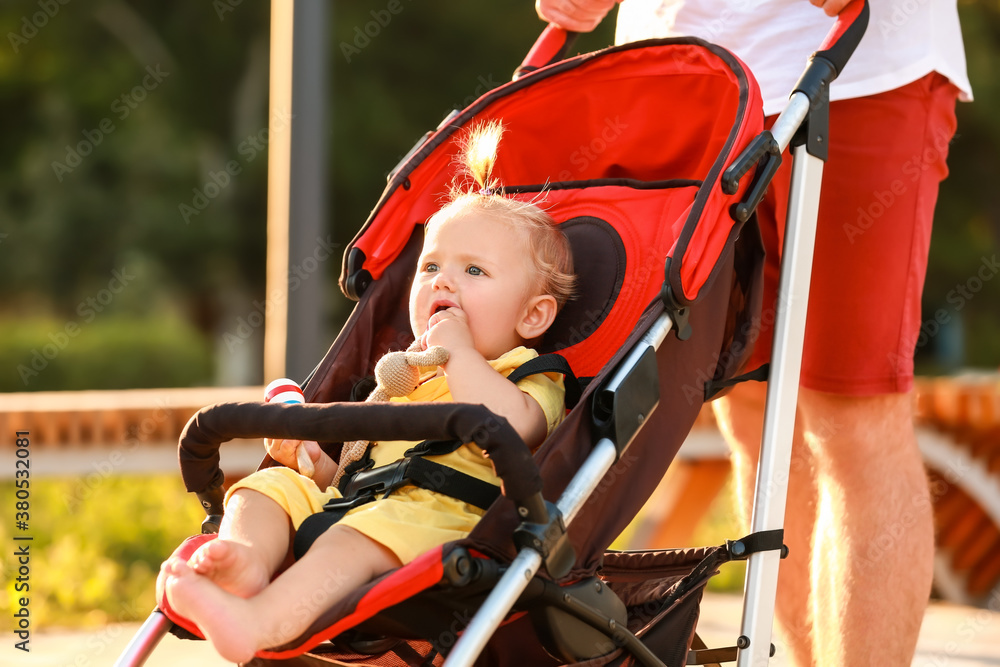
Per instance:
x=480, y=265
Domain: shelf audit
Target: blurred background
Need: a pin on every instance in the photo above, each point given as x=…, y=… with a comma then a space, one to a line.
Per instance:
x=108, y=169
x=121, y=117
x=133, y=195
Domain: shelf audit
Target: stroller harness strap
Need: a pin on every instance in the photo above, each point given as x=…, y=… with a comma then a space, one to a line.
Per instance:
x=552, y=363
x=366, y=485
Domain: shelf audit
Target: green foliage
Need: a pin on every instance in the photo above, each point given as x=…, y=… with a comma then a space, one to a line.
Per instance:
x=109, y=145
x=97, y=545
x=115, y=352
x=967, y=218
x=84, y=83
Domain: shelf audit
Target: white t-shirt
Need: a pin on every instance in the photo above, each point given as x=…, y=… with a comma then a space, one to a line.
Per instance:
x=905, y=40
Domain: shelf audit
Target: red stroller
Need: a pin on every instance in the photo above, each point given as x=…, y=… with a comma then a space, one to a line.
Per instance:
x=652, y=162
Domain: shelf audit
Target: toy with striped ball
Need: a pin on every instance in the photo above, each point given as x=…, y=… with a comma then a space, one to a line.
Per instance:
x=284, y=390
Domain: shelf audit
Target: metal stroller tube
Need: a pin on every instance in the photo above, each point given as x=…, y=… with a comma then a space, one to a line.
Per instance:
x=145, y=640
x=808, y=108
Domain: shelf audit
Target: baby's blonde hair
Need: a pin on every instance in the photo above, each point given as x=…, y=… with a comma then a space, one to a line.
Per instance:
x=548, y=247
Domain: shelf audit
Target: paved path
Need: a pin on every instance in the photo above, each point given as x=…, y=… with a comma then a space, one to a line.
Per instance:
x=951, y=636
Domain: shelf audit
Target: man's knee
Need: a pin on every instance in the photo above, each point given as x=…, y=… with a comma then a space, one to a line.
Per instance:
x=855, y=432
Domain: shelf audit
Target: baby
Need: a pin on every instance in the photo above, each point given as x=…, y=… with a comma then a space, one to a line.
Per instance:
x=492, y=274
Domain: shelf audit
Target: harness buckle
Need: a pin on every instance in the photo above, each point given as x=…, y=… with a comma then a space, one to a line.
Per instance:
x=381, y=480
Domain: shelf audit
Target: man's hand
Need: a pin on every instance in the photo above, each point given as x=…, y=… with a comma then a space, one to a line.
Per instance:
x=574, y=15
x=831, y=7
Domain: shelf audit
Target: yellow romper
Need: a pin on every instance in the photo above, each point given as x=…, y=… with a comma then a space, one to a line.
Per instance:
x=412, y=520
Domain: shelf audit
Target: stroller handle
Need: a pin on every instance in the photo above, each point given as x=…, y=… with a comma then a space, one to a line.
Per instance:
x=550, y=47
x=845, y=35
x=198, y=450
x=554, y=42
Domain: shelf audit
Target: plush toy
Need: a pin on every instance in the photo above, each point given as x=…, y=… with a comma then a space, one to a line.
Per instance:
x=396, y=374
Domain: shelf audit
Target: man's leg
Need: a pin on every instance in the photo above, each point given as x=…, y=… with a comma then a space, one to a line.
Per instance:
x=859, y=506
x=741, y=415
x=872, y=563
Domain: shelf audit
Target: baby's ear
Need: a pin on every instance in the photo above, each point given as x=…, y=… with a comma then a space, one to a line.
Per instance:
x=539, y=314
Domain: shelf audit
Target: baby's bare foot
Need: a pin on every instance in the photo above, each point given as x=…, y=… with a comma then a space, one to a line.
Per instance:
x=232, y=566
x=226, y=620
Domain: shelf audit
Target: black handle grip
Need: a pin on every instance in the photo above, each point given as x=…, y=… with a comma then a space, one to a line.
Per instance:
x=845, y=35
x=342, y=422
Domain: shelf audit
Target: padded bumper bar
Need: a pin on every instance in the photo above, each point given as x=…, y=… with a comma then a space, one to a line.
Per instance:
x=340, y=422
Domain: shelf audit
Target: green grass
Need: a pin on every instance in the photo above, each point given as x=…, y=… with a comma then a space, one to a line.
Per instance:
x=97, y=545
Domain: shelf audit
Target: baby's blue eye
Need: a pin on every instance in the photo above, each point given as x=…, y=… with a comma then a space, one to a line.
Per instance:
x=475, y=271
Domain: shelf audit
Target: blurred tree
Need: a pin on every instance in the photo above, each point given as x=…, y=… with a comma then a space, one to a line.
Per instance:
x=136, y=141
x=962, y=291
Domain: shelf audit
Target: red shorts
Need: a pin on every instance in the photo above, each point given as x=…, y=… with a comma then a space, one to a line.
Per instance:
x=880, y=184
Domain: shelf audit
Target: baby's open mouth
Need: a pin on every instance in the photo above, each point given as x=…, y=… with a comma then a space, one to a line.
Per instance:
x=440, y=306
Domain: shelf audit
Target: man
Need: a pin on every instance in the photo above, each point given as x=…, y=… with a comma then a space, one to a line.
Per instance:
x=858, y=520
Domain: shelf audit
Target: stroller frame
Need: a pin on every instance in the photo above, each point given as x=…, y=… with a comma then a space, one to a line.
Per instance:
x=782, y=390
x=802, y=124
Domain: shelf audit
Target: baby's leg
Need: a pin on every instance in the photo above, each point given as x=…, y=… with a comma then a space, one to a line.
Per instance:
x=339, y=561
x=253, y=544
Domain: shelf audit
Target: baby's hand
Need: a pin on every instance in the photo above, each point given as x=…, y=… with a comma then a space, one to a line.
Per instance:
x=295, y=454
x=449, y=329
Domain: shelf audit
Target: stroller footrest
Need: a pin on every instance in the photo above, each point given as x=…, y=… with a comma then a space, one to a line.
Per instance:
x=710, y=656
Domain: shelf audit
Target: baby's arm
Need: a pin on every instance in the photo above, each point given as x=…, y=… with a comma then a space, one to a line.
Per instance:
x=472, y=380
x=285, y=453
